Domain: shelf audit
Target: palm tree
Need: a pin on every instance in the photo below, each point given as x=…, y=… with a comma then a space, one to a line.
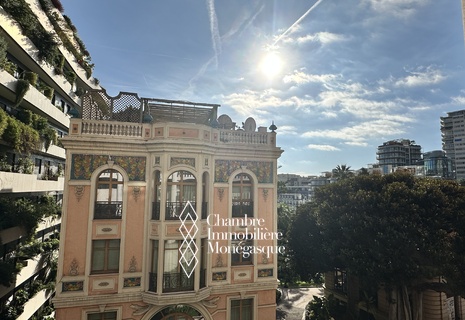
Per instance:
x=342, y=172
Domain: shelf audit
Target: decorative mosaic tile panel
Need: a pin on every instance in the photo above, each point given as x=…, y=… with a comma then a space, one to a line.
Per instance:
x=265, y=273
x=131, y=282
x=73, y=286
x=82, y=165
x=263, y=170
x=186, y=161
x=218, y=276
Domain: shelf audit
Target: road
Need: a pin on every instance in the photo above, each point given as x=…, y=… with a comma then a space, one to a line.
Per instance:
x=293, y=302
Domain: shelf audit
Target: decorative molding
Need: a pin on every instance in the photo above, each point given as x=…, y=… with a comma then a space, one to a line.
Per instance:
x=74, y=268
x=219, y=260
x=132, y=264
x=265, y=194
x=83, y=165
x=103, y=284
x=79, y=192
x=136, y=193
x=263, y=170
x=185, y=161
x=220, y=193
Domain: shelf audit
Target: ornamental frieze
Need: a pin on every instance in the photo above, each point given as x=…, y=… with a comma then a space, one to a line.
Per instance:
x=263, y=170
x=82, y=165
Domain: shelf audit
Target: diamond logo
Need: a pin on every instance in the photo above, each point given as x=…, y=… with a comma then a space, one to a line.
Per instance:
x=188, y=249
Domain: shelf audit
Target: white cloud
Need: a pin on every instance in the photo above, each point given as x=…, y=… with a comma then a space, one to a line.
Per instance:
x=422, y=77
x=300, y=77
x=323, y=147
x=322, y=37
x=458, y=100
x=398, y=8
x=358, y=134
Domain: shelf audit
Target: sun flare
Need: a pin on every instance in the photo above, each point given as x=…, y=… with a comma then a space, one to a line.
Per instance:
x=271, y=64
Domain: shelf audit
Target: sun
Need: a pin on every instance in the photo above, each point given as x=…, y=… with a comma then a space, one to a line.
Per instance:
x=271, y=64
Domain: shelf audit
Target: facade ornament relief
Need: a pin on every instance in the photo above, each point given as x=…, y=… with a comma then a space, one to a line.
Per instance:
x=79, y=192
x=264, y=258
x=132, y=264
x=219, y=261
x=265, y=194
x=220, y=193
x=74, y=268
x=211, y=303
x=136, y=193
x=139, y=310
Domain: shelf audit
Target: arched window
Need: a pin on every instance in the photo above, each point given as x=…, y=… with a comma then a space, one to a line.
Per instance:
x=109, y=197
x=181, y=188
x=242, y=196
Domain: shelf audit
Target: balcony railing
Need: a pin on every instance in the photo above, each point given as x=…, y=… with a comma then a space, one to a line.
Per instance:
x=105, y=210
x=242, y=208
x=173, y=282
x=152, y=282
x=174, y=210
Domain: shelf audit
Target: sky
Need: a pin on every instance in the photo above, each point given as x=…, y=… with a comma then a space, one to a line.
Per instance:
x=337, y=77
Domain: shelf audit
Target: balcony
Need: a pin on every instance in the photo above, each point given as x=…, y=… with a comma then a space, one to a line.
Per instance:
x=242, y=208
x=12, y=182
x=105, y=210
x=174, y=282
x=174, y=210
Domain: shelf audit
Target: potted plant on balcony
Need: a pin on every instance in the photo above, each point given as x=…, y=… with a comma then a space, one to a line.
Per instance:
x=22, y=86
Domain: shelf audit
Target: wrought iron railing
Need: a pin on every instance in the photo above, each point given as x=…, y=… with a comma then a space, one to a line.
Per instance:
x=173, y=282
x=242, y=208
x=108, y=210
x=174, y=210
x=156, y=210
x=152, y=282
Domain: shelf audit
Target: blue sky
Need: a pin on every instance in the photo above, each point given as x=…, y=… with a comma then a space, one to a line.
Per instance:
x=353, y=73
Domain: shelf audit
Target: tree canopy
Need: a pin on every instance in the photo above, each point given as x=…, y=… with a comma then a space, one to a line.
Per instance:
x=395, y=230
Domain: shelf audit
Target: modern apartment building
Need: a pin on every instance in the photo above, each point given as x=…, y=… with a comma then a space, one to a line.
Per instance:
x=44, y=67
x=169, y=213
x=400, y=152
x=453, y=140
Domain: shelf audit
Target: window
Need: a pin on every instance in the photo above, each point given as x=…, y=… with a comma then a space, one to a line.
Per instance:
x=154, y=267
x=174, y=276
x=241, y=255
x=109, y=198
x=102, y=316
x=242, y=309
x=242, y=198
x=156, y=196
x=181, y=187
x=105, y=256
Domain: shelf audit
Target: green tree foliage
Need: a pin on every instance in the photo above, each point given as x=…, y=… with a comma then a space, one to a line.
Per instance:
x=394, y=230
x=286, y=271
x=342, y=171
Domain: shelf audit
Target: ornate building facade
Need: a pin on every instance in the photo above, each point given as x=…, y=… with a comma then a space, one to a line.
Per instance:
x=169, y=213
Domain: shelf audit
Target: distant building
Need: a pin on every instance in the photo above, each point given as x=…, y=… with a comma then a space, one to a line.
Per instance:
x=400, y=152
x=437, y=164
x=453, y=140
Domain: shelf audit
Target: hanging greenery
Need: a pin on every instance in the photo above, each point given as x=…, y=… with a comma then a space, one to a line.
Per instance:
x=48, y=92
x=31, y=77
x=22, y=86
x=50, y=137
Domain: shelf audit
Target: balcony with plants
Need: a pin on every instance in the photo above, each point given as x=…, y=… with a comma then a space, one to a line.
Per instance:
x=33, y=19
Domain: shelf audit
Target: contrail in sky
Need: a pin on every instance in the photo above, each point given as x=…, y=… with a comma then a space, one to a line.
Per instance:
x=297, y=22
x=216, y=39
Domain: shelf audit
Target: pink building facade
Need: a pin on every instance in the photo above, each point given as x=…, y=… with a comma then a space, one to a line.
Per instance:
x=169, y=213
